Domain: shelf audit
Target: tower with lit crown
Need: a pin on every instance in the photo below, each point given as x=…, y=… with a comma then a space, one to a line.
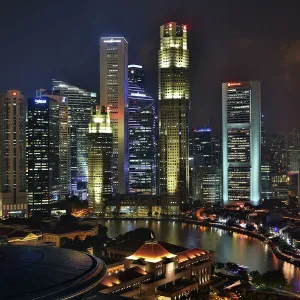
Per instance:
x=100, y=158
x=174, y=107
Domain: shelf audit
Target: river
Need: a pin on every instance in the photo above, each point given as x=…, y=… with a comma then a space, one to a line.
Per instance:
x=233, y=247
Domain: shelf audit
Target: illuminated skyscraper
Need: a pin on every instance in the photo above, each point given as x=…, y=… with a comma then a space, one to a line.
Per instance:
x=136, y=75
x=241, y=142
x=174, y=106
x=142, y=142
x=13, y=196
x=114, y=94
x=100, y=158
x=43, y=164
x=80, y=103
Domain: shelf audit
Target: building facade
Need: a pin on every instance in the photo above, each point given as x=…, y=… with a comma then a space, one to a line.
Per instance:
x=136, y=75
x=142, y=142
x=13, y=196
x=43, y=152
x=114, y=94
x=80, y=103
x=174, y=112
x=100, y=158
x=241, y=130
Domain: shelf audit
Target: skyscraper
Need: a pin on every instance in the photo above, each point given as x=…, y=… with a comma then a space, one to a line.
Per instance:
x=100, y=158
x=142, y=142
x=13, y=196
x=80, y=103
x=174, y=111
x=136, y=75
x=241, y=114
x=114, y=94
x=43, y=165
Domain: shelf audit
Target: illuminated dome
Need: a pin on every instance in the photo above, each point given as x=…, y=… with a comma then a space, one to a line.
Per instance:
x=151, y=251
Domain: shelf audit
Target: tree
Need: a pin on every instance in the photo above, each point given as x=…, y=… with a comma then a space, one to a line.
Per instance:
x=219, y=265
x=149, y=213
x=231, y=266
x=156, y=214
x=243, y=275
x=230, y=222
x=102, y=231
x=274, y=279
x=256, y=277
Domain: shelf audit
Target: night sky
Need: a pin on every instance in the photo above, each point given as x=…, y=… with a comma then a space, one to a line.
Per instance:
x=228, y=40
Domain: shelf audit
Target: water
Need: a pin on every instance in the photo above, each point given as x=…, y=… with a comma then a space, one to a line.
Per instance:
x=233, y=247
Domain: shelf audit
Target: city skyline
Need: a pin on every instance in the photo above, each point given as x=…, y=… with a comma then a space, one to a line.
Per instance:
x=214, y=39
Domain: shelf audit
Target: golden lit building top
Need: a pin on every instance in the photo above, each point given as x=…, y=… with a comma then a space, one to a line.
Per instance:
x=100, y=121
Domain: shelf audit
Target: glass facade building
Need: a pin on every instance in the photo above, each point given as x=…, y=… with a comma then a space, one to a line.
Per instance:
x=241, y=128
x=80, y=103
x=142, y=142
x=43, y=164
x=174, y=112
x=114, y=94
x=100, y=158
x=13, y=196
x=136, y=75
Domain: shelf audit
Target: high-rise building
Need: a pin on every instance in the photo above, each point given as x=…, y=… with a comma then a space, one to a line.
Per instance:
x=174, y=112
x=13, y=196
x=142, y=142
x=211, y=185
x=292, y=149
x=114, y=94
x=136, y=75
x=100, y=158
x=241, y=142
x=43, y=164
x=80, y=103
x=201, y=154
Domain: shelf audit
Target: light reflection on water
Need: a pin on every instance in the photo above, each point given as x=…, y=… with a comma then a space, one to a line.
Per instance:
x=228, y=246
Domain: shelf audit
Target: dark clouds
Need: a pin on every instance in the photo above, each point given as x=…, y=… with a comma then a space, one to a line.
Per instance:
x=228, y=40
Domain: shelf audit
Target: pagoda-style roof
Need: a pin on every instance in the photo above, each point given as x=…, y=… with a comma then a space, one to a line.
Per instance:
x=151, y=251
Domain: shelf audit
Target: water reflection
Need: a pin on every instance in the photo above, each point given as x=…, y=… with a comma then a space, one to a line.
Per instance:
x=228, y=246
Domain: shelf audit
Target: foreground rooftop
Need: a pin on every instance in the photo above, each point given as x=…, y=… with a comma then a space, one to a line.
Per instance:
x=33, y=272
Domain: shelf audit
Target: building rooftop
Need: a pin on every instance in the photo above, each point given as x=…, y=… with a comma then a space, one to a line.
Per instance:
x=122, y=276
x=190, y=254
x=33, y=272
x=151, y=251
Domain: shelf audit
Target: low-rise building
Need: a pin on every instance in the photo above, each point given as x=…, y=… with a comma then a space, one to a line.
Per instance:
x=20, y=235
x=55, y=235
x=156, y=269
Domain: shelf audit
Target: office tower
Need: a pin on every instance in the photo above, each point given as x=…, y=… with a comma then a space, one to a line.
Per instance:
x=100, y=158
x=211, y=185
x=266, y=191
x=13, y=196
x=43, y=164
x=202, y=143
x=174, y=111
x=142, y=142
x=114, y=94
x=241, y=142
x=136, y=75
x=216, y=142
x=80, y=103
x=292, y=150
x=64, y=153
x=201, y=154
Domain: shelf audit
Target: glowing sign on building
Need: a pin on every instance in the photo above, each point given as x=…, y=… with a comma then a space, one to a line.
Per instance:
x=40, y=101
x=112, y=41
x=234, y=84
